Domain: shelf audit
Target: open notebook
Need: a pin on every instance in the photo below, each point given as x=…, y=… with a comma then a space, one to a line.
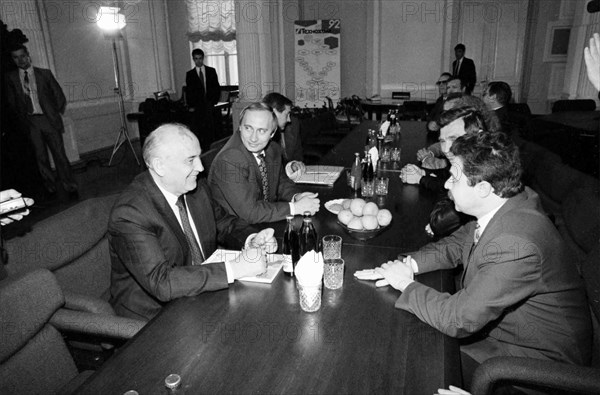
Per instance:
x=274, y=264
x=320, y=175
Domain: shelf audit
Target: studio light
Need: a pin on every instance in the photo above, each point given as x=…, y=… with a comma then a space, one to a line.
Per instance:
x=111, y=21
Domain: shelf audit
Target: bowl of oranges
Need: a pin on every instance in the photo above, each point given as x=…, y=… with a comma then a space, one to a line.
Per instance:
x=363, y=220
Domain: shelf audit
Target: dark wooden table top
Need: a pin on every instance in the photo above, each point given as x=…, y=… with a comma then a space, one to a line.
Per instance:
x=410, y=205
x=254, y=338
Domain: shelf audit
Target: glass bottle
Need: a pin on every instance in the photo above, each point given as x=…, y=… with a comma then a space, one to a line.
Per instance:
x=369, y=176
x=356, y=172
x=291, y=252
x=308, y=235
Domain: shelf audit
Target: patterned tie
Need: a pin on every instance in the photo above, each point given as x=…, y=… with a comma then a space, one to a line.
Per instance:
x=264, y=176
x=477, y=234
x=195, y=249
x=27, y=89
x=201, y=76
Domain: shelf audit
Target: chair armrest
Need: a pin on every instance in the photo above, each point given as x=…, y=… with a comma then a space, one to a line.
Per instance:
x=96, y=324
x=86, y=303
x=536, y=372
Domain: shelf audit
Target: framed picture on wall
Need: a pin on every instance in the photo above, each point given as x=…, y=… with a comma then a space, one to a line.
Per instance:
x=557, y=41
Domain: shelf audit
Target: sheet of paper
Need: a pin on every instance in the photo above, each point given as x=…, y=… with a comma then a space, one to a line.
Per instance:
x=274, y=264
x=320, y=175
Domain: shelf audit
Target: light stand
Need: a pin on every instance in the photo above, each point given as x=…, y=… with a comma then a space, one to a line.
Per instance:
x=111, y=22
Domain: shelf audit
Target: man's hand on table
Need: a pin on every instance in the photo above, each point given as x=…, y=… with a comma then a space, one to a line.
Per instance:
x=251, y=262
x=411, y=174
x=424, y=153
x=452, y=391
x=263, y=239
x=10, y=194
x=306, y=201
x=295, y=169
x=399, y=273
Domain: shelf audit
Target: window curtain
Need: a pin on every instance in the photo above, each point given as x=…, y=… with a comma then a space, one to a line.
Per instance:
x=211, y=27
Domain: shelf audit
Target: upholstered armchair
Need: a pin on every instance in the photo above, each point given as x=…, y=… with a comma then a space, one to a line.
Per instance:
x=73, y=245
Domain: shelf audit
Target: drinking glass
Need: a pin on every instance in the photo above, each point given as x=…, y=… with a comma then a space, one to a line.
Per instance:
x=386, y=154
x=310, y=297
x=332, y=247
x=395, y=155
x=367, y=188
x=381, y=186
x=333, y=273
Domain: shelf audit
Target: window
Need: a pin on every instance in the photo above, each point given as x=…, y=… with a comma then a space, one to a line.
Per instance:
x=223, y=57
x=211, y=27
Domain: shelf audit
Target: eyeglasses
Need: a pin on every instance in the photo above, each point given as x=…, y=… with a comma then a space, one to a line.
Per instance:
x=441, y=82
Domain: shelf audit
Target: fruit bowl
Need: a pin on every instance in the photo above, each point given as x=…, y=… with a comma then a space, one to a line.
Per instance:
x=363, y=234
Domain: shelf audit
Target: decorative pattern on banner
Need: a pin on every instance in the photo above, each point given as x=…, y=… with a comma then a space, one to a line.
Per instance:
x=317, y=62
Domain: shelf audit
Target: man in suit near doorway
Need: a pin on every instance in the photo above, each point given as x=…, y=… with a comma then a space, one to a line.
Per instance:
x=464, y=68
x=38, y=102
x=202, y=93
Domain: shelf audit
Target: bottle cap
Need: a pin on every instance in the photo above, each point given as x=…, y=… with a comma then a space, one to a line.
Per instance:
x=172, y=381
x=289, y=217
x=131, y=392
x=307, y=213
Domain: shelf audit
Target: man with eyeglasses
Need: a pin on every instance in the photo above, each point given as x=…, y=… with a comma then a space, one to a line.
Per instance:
x=438, y=108
x=248, y=178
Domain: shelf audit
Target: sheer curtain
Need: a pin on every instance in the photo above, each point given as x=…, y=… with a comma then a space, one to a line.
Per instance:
x=211, y=27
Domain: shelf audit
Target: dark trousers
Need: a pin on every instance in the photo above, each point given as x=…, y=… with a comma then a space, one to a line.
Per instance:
x=43, y=136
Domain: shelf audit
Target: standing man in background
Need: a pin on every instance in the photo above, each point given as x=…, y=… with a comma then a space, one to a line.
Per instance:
x=464, y=68
x=202, y=93
x=38, y=101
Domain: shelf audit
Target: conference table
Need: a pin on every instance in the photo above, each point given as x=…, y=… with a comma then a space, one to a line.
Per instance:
x=254, y=338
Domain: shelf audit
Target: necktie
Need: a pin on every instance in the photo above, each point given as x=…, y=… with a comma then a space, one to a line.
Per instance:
x=201, y=76
x=262, y=165
x=196, y=251
x=285, y=156
x=458, y=62
x=477, y=234
x=27, y=88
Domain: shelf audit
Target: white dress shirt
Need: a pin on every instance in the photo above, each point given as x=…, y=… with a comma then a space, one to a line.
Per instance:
x=172, y=200
x=33, y=91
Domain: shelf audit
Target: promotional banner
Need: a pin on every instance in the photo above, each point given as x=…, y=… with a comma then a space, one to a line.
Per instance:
x=317, y=62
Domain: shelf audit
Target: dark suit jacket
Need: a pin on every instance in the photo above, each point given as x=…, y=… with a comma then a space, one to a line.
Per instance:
x=193, y=90
x=466, y=73
x=50, y=95
x=151, y=261
x=293, y=144
x=521, y=295
x=236, y=183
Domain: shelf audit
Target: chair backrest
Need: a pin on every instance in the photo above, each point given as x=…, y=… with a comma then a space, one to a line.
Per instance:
x=34, y=358
x=207, y=159
x=72, y=244
x=224, y=97
x=574, y=105
x=219, y=143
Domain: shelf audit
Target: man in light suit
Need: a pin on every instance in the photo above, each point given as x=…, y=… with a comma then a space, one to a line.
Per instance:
x=165, y=224
x=202, y=93
x=521, y=293
x=247, y=177
x=38, y=101
x=464, y=68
